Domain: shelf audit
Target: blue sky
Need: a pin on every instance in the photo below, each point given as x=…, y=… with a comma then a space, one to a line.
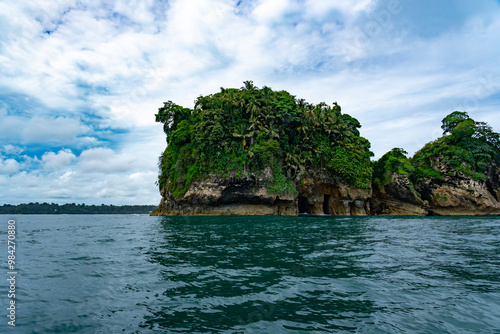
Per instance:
x=80, y=81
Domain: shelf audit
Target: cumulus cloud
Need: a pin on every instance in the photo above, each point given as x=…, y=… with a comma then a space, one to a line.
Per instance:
x=24, y=131
x=97, y=175
x=8, y=166
x=105, y=160
x=71, y=186
x=59, y=160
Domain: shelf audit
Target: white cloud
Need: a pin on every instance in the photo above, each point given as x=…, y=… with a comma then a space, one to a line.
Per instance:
x=53, y=131
x=140, y=11
x=55, y=161
x=11, y=149
x=97, y=175
x=105, y=160
x=318, y=8
x=268, y=12
x=60, y=129
x=8, y=166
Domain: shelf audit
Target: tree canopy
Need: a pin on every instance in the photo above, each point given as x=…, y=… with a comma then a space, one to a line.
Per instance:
x=467, y=146
x=238, y=131
x=394, y=161
x=452, y=120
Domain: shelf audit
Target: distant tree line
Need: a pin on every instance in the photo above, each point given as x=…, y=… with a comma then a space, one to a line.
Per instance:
x=52, y=208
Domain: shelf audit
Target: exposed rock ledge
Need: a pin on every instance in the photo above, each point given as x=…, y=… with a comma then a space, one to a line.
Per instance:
x=397, y=198
x=453, y=195
x=458, y=195
x=318, y=193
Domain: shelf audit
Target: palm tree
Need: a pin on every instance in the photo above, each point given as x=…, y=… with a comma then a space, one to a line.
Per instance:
x=248, y=85
x=241, y=132
x=271, y=131
x=303, y=129
x=301, y=103
x=267, y=92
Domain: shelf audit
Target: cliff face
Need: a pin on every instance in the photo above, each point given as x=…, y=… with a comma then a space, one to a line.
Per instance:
x=397, y=198
x=453, y=195
x=457, y=194
x=228, y=196
x=318, y=193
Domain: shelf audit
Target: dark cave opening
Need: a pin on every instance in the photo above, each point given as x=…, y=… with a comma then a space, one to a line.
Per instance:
x=326, y=205
x=303, y=205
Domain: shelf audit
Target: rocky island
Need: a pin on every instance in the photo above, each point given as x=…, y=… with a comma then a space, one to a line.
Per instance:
x=252, y=151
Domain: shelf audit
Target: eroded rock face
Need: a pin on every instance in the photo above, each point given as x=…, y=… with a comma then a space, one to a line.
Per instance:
x=397, y=198
x=453, y=195
x=232, y=196
x=319, y=193
x=457, y=194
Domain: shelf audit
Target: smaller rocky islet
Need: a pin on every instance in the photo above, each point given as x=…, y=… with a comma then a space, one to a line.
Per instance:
x=255, y=151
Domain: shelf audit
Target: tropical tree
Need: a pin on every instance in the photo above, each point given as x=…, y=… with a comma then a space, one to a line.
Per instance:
x=452, y=120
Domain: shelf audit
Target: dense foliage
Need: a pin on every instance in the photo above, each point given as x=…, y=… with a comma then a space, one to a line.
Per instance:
x=467, y=146
x=240, y=131
x=52, y=208
x=393, y=162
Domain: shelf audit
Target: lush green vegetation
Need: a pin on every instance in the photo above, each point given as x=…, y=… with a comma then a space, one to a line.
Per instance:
x=467, y=146
x=52, y=208
x=239, y=131
x=393, y=162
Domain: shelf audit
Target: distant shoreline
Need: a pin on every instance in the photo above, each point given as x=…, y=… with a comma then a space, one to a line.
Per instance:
x=72, y=208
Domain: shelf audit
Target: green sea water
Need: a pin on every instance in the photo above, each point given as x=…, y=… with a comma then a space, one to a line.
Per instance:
x=141, y=274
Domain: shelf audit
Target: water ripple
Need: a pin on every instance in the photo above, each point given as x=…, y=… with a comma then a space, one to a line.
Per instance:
x=140, y=274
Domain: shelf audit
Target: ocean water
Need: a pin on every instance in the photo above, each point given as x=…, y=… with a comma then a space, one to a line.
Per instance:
x=141, y=274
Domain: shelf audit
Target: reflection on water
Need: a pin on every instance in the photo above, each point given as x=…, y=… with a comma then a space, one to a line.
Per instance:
x=323, y=274
x=227, y=273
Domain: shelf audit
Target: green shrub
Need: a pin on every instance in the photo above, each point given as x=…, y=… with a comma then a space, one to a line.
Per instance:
x=281, y=185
